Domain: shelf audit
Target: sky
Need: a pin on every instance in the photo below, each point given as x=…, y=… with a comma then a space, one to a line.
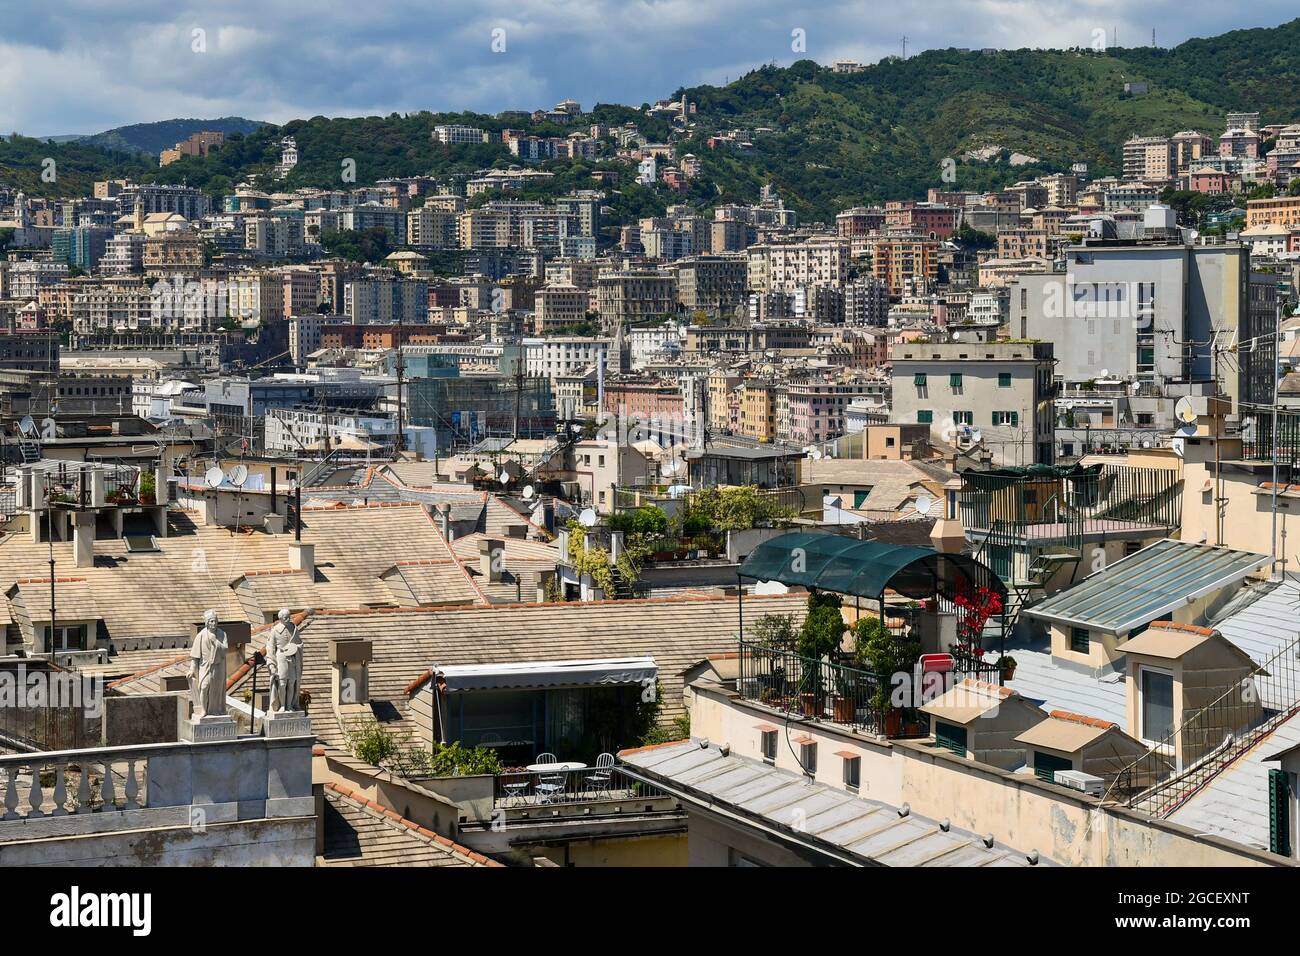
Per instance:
x=89, y=65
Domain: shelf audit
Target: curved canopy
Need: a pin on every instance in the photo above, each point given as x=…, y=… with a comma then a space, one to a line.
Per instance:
x=844, y=565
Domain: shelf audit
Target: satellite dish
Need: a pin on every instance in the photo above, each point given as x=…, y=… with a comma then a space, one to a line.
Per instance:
x=588, y=518
x=1177, y=446
x=956, y=335
x=529, y=492
x=1105, y=373
x=1184, y=411
x=923, y=505
x=504, y=477
x=26, y=425
x=213, y=477
x=976, y=435
x=815, y=454
x=239, y=475
x=672, y=467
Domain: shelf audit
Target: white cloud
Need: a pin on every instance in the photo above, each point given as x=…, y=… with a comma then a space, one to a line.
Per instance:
x=88, y=65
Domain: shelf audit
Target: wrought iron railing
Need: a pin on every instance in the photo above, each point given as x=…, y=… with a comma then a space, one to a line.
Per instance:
x=527, y=788
x=821, y=690
x=1213, y=737
x=1257, y=440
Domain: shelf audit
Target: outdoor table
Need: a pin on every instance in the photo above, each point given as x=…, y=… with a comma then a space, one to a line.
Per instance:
x=556, y=767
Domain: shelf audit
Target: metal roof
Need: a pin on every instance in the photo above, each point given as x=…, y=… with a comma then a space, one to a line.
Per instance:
x=535, y=674
x=845, y=565
x=1144, y=586
x=829, y=820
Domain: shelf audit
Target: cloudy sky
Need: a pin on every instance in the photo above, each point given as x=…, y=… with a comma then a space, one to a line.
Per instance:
x=81, y=66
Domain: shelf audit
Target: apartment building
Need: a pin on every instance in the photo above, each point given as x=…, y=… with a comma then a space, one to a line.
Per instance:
x=432, y=227
x=815, y=409
x=1023, y=244
x=1149, y=312
x=711, y=284
x=786, y=267
x=1151, y=158
x=558, y=305
x=1278, y=211
x=626, y=298
x=563, y=355
x=901, y=263
x=1191, y=146
x=386, y=301
x=994, y=397
x=459, y=135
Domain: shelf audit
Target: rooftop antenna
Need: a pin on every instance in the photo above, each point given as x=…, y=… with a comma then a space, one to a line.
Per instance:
x=904, y=46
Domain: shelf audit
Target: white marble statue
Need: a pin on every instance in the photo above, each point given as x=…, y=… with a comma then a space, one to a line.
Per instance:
x=207, y=675
x=284, y=660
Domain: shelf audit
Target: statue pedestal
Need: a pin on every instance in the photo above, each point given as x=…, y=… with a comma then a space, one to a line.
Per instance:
x=204, y=729
x=286, y=723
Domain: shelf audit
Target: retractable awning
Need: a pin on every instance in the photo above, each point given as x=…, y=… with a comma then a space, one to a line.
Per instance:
x=533, y=675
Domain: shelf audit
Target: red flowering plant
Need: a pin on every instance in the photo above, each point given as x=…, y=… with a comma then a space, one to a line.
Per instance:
x=974, y=607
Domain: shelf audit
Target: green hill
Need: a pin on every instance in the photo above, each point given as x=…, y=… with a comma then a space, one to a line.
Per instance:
x=153, y=138
x=832, y=140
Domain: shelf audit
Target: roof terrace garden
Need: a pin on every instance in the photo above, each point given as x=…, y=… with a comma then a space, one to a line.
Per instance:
x=929, y=622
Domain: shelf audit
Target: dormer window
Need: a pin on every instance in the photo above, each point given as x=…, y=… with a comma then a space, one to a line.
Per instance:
x=1156, y=703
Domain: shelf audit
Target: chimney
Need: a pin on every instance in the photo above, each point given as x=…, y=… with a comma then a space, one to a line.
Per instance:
x=83, y=539
x=491, y=558
x=444, y=517
x=302, y=557
x=350, y=671
x=98, y=496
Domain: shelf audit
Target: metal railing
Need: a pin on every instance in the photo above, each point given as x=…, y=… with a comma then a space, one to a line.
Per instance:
x=526, y=788
x=1209, y=741
x=821, y=690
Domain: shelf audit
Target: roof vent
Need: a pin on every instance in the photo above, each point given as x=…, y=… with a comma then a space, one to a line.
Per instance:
x=704, y=743
x=1032, y=857
x=988, y=840
x=945, y=825
x=905, y=809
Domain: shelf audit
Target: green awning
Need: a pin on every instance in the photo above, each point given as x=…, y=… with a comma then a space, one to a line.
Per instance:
x=833, y=562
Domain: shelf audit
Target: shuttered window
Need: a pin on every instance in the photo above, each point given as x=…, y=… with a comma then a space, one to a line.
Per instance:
x=950, y=737
x=1279, y=813
x=1046, y=765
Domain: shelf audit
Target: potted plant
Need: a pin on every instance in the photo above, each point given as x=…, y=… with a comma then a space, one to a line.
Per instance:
x=1007, y=665
x=883, y=654
x=820, y=637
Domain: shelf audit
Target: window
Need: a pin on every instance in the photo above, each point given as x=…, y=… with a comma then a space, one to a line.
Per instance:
x=950, y=737
x=767, y=742
x=1080, y=640
x=67, y=637
x=808, y=757
x=1157, y=704
x=954, y=381
x=1006, y=418
x=1004, y=379
x=919, y=380
x=1046, y=766
x=964, y=418
x=860, y=496
x=924, y=416
x=853, y=773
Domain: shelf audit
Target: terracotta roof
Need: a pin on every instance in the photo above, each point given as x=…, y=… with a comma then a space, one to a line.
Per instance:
x=361, y=832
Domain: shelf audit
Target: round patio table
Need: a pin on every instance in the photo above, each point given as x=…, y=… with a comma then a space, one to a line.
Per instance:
x=556, y=767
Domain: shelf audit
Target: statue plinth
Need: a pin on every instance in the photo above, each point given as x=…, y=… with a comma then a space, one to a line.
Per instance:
x=205, y=729
x=286, y=723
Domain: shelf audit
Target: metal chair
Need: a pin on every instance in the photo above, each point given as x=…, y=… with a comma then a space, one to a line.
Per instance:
x=547, y=758
x=516, y=787
x=600, y=779
x=551, y=787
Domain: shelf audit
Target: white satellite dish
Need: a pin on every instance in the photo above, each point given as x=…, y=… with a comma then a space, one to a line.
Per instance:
x=588, y=518
x=815, y=454
x=504, y=477
x=1184, y=411
x=976, y=435
x=239, y=475
x=529, y=492
x=1177, y=446
x=213, y=477
x=923, y=505
x=26, y=425
x=1105, y=373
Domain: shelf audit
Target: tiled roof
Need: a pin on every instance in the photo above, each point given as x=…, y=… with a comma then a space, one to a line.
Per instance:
x=359, y=832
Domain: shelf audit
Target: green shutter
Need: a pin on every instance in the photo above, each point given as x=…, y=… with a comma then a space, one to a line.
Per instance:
x=950, y=737
x=1004, y=379
x=1046, y=766
x=924, y=416
x=919, y=380
x=954, y=380
x=1279, y=813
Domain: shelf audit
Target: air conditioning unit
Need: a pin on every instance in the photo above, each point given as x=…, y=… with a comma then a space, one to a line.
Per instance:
x=1078, y=780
